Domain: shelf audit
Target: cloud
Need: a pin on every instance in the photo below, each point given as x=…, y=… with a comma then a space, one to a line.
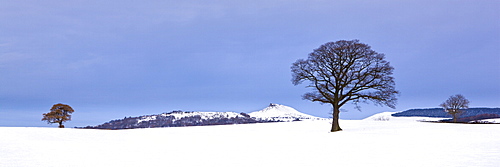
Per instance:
x=85, y=63
x=13, y=59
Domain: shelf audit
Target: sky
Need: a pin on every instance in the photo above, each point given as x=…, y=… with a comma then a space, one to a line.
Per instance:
x=110, y=60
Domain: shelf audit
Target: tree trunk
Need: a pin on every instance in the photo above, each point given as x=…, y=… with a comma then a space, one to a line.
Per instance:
x=61, y=125
x=335, y=123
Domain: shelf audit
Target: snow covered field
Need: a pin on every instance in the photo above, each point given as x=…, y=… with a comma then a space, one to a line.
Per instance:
x=396, y=142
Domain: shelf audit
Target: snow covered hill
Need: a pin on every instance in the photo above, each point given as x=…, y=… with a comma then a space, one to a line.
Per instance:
x=177, y=119
x=281, y=113
x=273, y=113
x=392, y=143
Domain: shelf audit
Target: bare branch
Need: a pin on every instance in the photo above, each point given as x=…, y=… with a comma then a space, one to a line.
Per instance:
x=346, y=71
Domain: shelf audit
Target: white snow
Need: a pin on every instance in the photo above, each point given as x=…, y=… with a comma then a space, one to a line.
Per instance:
x=203, y=115
x=494, y=120
x=386, y=116
x=396, y=142
x=278, y=112
x=146, y=118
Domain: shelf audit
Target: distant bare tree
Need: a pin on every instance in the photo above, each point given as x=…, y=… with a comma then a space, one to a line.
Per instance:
x=59, y=113
x=346, y=71
x=455, y=105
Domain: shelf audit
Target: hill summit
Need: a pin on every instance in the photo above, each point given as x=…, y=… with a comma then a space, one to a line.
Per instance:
x=281, y=113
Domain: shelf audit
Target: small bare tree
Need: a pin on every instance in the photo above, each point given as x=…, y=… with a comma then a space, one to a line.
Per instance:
x=59, y=113
x=455, y=105
x=346, y=71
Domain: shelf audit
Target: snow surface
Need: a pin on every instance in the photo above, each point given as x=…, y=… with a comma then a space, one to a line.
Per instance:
x=278, y=112
x=396, y=142
x=495, y=120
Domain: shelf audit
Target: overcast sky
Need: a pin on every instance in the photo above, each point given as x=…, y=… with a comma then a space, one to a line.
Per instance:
x=114, y=59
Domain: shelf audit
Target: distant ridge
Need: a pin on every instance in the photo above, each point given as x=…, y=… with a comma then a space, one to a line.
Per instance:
x=273, y=113
x=177, y=119
x=439, y=112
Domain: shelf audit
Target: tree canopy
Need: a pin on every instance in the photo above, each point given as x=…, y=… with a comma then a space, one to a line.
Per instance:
x=455, y=105
x=59, y=113
x=346, y=71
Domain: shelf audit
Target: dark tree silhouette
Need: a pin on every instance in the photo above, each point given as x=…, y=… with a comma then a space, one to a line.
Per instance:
x=59, y=113
x=455, y=105
x=346, y=71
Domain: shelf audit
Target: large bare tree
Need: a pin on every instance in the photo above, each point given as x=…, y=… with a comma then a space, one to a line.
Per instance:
x=455, y=105
x=346, y=71
x=59, y=113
